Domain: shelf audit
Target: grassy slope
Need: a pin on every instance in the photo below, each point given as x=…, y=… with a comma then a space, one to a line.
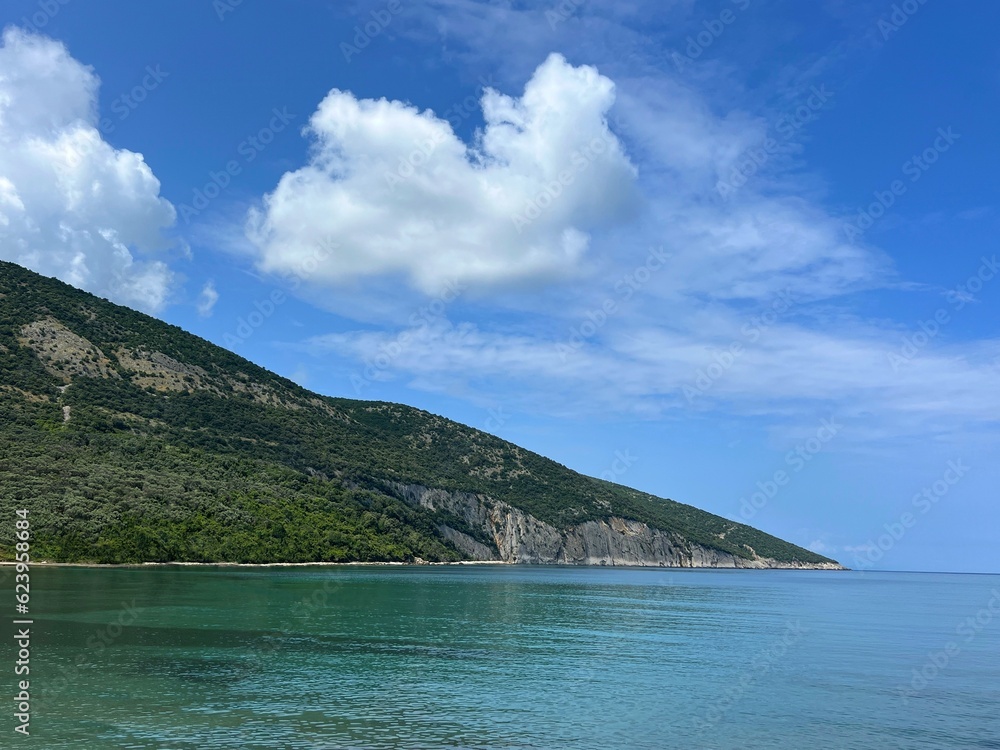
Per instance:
x=141, y=472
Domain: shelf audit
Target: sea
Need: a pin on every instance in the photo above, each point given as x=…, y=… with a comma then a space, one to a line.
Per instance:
x=497, y=656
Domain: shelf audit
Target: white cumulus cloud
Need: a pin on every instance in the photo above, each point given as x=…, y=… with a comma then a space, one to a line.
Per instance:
x=401, y=194
x=71, y=205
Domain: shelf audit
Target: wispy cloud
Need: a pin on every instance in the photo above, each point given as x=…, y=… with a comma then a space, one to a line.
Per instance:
x=649, y=371
x=207, y=299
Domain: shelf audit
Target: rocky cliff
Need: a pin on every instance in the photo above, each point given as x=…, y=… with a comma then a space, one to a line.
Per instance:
x=497, y=531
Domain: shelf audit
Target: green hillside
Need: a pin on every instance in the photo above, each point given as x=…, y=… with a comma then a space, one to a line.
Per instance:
x=131, y=440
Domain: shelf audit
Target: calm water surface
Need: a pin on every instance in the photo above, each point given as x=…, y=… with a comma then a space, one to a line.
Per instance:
x=511, y=657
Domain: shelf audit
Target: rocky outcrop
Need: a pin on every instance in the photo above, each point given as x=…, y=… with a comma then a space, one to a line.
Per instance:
x=470, y=547
x=519, y=537
x=63, y=353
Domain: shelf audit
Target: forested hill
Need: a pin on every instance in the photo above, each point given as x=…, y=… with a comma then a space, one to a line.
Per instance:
x=131, y=440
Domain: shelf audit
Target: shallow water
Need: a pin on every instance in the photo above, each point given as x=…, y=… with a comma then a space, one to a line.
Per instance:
x=511, y=657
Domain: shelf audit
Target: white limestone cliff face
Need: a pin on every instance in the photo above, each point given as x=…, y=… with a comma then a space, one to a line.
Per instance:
x=518, y=537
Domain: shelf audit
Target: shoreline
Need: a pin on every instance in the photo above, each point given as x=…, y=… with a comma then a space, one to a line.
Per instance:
x=421, y=564
x=48, y=564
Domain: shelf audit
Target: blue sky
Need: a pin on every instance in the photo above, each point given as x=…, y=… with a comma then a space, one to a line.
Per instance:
x=740, y=253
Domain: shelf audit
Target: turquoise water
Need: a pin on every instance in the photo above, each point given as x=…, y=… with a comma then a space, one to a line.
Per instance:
x=511, y=657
